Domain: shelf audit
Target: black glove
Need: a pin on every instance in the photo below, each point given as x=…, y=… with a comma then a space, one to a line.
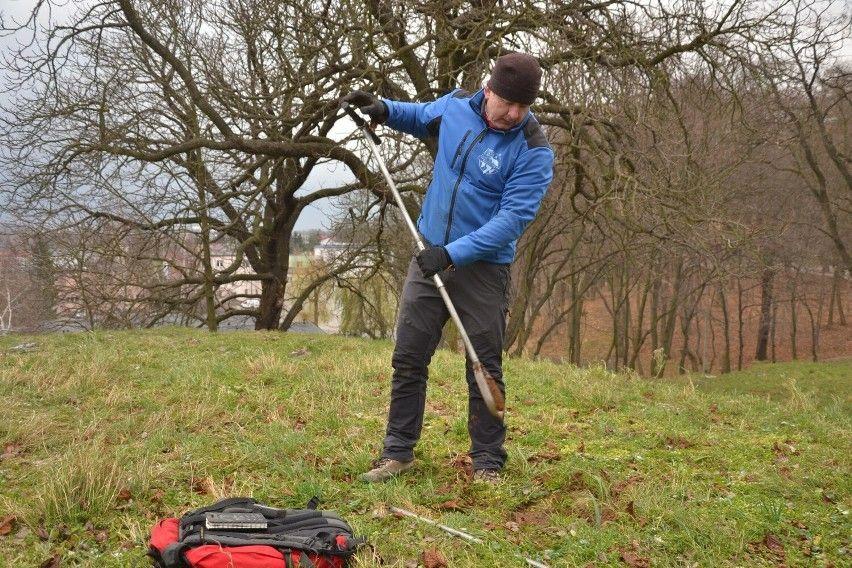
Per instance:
x=433, y=260
x=371, y=105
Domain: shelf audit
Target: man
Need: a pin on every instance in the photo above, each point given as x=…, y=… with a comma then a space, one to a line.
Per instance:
x=491, y=171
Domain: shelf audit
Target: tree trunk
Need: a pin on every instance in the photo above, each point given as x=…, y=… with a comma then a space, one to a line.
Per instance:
x=270, y=304
x=575, y=320
x=772, y=326
x=814, y=331
x=706, y=338
x=640, y=335
x=766, y=280
x=209, y=287
x=836, y=298
x=740, y=337
x=726, y=322
x=686, y=318
x=659, y=367
x=794, y=318
x=316, y=306
x=626, y=317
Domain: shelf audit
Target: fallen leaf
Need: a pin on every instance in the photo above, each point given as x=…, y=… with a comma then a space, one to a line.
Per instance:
x=576, y=481
x=773, y=543
x=21, y=535
x=6, y=525
x=783, y=450
x=432, y=558
x=157, y=496
x=513, y=526
x=678, y=442
x=200, y=486
x=631, y=510
x=464, y=464
x=531, y=517
x=124, y=494
x=633, y=559
x=544, y=456
x=451, y=505
x=42, y=533
x=52, y=562
x=10, y=451
x=621, y=486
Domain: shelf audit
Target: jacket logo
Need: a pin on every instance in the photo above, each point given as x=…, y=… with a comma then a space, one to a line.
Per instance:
x=489, y=162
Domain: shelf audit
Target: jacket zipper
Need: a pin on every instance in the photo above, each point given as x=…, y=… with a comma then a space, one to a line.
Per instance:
x=459, y=149
x=476, y=141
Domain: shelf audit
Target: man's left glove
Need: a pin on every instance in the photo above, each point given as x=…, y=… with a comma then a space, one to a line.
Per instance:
x=370, y=104
x=433, y=260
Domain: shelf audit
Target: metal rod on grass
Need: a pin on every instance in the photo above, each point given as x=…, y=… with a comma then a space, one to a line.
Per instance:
x=456, y=532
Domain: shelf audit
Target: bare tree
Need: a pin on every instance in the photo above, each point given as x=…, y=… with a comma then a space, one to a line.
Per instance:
x=240, y=104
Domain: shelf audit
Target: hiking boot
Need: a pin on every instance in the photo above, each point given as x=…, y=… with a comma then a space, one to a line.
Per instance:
x=490, y=476
x=384, y=469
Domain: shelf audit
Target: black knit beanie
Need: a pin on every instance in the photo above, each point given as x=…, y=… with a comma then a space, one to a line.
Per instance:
x=516, y=78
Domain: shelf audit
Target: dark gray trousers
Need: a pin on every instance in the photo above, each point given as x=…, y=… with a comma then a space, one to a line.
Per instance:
x=479, y=292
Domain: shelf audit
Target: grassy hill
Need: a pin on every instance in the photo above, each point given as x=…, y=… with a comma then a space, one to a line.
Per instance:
x=104, y=433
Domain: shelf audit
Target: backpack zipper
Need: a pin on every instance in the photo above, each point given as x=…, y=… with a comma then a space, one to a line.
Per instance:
x=476, y=141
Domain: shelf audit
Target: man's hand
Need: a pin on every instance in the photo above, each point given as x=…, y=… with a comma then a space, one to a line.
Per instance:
x=433, y=260
x=371, y=105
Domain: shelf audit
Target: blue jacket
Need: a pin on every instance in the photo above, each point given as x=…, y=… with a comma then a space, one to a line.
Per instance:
x=487, y=184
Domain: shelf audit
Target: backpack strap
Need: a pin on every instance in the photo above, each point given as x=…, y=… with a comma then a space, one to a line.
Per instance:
x=305, y=561
x=310, y=544
x=172, y=555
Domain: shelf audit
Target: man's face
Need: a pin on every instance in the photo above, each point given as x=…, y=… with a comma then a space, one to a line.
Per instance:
x=501, y=113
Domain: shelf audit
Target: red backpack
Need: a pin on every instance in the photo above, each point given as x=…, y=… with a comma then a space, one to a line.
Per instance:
x=275, y=538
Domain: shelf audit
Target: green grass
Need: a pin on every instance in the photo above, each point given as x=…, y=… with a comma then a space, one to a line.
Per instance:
x=104, y=433
x=823, y=384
